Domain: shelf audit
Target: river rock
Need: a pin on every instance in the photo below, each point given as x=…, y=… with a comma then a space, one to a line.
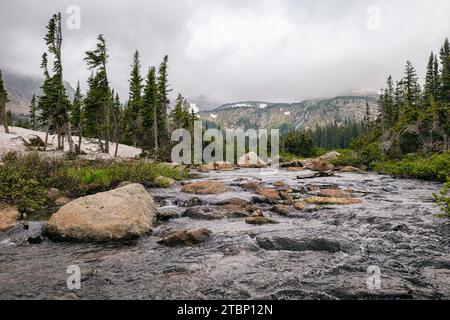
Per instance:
x=205, y=187
x=317, y=165
x=8, y=217
x=270, y=195
x=251, y=185
x=251, y=160
x=295, y=169
x=53, y=194
x=259, y=220
x=123, y=213
x=280, y=184
x=235, y=201
x=282, y=209
x=223, y=166
x=185, y=238
x=331, y=200
x=308, y=175
x=351, y=169
x=165, y=214
x=337, y=193
x=299, y=205
x=276, y=243
x=203, y=213
x=292, y=164
x=61, y=201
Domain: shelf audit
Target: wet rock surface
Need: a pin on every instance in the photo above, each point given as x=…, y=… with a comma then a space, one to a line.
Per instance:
x=322, y=253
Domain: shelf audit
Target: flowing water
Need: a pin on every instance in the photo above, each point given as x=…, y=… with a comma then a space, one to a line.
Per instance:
x=323, y=253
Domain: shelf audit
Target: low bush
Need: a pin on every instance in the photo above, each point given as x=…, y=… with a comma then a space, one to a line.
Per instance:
x=435, y=167
x=443, y=199
x=25, y=179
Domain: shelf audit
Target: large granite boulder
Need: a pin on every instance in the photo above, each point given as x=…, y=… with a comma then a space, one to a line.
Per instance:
x=119, y=214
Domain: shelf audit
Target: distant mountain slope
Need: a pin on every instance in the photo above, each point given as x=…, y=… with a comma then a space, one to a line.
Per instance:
x=308, y=113
x=21, y=88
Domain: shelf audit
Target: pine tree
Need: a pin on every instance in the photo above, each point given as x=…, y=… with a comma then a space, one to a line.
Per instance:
x=445, y=72
x=150, y=107
x=46, y=102
x=178, y=114
x=32, y=113
x=431, y=81
x=411, y=93
x=117, y=113
x=61, y=119
x=100, y=93
x=3, y=101
x=135, y=101
x=76, y=119
x=163, y=102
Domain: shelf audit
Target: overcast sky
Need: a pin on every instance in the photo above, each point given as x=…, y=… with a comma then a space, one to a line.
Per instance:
x=232, y=50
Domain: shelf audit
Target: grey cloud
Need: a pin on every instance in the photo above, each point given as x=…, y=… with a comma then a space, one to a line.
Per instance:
x=229, y=50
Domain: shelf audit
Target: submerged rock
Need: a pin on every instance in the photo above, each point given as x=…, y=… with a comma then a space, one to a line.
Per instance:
x=123, y=213
x=185, y=238
x=203, y=213
x=259, y=220
x=205, y=187
x=305, y=244
x=167, y=214
x=331, y=200
x=8, y=217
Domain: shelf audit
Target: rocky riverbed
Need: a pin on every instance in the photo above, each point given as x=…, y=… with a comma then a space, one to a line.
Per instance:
x=312, y=252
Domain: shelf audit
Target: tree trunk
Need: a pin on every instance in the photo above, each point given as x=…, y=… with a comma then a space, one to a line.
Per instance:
x=80, y=136
x=69, y=137
x=155, y=135
x=46, y=139
x=4, y=118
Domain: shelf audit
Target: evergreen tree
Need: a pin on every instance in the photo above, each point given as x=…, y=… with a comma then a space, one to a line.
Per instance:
x=99, y=93
x=151, y=110
x=76, y=119
x=411, y=93
x=178, y=114
x=445, y=72
x=46, y=102
x=3, y=101
x=32, y=113
x=135, y=101
x=117, y=114
x=163, y=102
x=61, y=120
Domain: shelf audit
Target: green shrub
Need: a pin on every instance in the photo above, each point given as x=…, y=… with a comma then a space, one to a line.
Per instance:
x=25, y=179
x=443, y=199
x=435, y=167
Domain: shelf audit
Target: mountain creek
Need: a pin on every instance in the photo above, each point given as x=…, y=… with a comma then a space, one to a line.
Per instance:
x=318, y=252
